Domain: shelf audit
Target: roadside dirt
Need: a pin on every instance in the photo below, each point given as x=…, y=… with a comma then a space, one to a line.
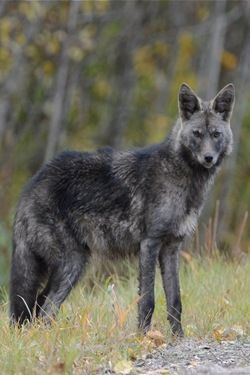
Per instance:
x=197, y=357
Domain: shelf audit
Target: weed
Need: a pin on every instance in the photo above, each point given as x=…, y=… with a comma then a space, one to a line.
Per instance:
x=98, y=327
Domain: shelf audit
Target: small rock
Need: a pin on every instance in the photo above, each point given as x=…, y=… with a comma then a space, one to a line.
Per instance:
x=207, y=347
x=140, y=363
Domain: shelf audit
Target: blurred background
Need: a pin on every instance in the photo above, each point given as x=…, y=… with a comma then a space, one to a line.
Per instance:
x=83, y=74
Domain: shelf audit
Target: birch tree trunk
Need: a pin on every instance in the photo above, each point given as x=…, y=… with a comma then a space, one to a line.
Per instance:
x=210, y=77
x=124, y=79
x=3, y=4
x=61, y=85
x=14, y=80
x=242, y=83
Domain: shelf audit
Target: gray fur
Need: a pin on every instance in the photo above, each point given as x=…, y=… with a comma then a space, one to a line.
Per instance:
x=113, y=203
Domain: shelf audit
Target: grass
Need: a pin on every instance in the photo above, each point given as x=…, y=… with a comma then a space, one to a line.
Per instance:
x=96, y=326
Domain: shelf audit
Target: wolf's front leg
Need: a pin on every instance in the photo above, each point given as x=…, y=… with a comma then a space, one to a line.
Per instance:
x=169, y=264
x=149, y=251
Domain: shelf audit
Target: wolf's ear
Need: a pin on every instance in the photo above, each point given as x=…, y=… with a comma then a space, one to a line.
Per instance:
x=188, y=102
x=224, y=101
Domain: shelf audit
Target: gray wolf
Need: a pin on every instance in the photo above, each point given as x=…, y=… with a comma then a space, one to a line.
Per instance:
x=112, y=203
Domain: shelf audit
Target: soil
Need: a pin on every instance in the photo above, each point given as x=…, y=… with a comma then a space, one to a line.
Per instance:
x=197, y=357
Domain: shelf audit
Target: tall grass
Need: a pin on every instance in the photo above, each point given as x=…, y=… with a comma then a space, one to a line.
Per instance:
x=96, y=325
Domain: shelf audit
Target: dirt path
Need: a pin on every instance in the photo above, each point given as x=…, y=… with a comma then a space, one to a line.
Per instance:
x=196, y=357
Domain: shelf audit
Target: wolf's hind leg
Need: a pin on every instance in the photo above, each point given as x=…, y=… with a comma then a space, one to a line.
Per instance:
x=63, y=277
x=25, y=280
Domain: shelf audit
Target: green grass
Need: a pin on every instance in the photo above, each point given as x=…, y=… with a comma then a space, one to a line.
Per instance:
x=97, y=325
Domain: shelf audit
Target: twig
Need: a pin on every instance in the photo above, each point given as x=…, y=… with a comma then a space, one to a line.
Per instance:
x=236, y=249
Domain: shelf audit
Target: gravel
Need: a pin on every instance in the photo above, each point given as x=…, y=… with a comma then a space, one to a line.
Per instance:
x=197, y=357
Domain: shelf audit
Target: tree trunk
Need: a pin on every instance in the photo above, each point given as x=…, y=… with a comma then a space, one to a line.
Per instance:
x=15, y=78
x=243, y=86
x=124, y=79
x=3, y=4
x=210, y=80
x=61, y=83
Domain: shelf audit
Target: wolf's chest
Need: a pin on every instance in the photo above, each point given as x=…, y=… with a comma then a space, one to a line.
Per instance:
x=187, y=224
x=175, y=215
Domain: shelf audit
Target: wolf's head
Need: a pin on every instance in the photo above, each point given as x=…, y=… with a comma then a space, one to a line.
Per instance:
x=204, y=133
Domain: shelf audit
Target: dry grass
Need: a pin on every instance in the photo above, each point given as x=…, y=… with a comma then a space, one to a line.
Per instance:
x=97, y=326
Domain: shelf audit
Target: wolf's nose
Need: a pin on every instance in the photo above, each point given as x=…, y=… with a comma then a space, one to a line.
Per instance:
x=208, y=158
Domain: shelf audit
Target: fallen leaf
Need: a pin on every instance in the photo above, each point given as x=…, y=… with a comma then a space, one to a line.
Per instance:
x=59, y=367
x=228, y=334
x=148, y=344
x=123, y=367
x=217, y=334
x=164, y=371
x=156, y=337
x=232, y=333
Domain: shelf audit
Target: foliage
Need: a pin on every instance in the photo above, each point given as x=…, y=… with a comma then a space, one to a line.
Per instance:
x=96, y=327
x=81, y=74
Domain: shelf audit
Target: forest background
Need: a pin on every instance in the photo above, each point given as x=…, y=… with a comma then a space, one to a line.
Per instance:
x=84, y=74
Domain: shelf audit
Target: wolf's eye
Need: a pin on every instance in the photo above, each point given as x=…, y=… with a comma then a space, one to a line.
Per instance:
x=216, y=134
x=197, y=133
